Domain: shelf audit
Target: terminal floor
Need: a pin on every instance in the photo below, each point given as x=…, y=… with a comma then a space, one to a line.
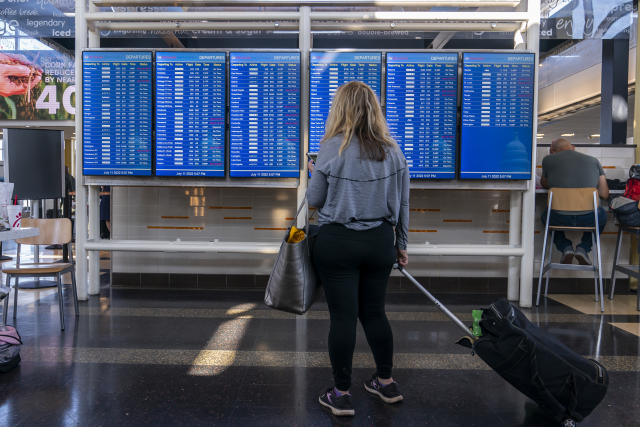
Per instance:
x=163, y=358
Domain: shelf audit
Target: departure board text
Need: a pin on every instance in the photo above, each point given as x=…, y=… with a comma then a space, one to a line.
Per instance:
x=116, y=113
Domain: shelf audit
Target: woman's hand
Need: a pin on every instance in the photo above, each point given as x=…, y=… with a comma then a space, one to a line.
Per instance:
x=311, y=166
x=403, y=257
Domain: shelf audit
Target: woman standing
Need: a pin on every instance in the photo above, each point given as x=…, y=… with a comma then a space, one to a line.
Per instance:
x=360, y=185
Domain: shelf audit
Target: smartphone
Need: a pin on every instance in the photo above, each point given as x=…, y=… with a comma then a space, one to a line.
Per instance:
x=312, y=157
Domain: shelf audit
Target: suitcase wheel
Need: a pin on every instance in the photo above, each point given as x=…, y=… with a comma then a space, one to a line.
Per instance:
x=465, y=342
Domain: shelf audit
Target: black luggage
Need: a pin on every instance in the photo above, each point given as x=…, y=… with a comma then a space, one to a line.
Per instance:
x=564, y=384
x=627, y=211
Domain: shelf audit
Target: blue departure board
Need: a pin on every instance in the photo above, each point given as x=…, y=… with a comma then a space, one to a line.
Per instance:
x=190, y=113
x=421, y=109
x=116, y=113
x=497, y=115
x=264, y=114
x=330, y=70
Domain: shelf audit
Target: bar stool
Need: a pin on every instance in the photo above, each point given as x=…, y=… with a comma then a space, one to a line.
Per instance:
x=629, y=270
x=571, y=200
x=52, y=231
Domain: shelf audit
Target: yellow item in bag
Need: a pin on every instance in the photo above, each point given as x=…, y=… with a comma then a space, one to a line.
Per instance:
x=295, y=235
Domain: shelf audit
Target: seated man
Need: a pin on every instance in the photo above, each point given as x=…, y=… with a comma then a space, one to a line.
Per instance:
x=566, y=168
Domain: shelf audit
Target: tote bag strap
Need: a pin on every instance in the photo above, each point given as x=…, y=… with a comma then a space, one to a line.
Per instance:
x=307, y=217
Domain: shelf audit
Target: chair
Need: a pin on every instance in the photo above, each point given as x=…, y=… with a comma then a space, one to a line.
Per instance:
x=629, y=270
x=52, y=232
x=573, y=200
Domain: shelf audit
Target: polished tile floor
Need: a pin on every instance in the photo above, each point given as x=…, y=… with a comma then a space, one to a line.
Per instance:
x=160, y=358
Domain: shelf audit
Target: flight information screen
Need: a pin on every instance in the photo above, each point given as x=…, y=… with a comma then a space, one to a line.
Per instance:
x=329, y=70
x=117, y=113
x=190, y=113
x=497, y=115
x=264, y=114
x=421, y=109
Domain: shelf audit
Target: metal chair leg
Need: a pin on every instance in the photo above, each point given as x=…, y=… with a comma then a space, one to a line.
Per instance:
x=5, y=311
x=615, y=262
x=75, y=293
x=15, y=298
x=544, y=248
x=550, y=252
x=597, y=233
x=60, y=300
x=595, y=271
x=540, y=276
x=544, y=245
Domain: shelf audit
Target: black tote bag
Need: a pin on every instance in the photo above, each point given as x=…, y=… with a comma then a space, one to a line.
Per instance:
x=293, y=282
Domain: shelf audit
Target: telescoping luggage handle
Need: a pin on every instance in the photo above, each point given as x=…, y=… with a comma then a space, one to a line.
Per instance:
x=438, y=304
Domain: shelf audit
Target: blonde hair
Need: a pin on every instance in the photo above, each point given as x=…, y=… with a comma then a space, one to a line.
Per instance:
x=355, y=111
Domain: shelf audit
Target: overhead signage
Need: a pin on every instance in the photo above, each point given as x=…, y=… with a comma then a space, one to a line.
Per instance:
x=37, y=85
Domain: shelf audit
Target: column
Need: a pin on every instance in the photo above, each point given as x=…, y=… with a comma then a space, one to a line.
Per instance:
x=613, y=109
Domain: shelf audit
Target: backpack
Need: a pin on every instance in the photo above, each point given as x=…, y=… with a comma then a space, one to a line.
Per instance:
x=632, y=189
x=626, y=211
x=10, y=342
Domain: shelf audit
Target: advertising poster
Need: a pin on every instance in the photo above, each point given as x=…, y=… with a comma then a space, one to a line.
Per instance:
x=37, y=85
x=585, y=19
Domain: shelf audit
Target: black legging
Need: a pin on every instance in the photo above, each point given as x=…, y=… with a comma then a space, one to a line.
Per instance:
x=354, y=268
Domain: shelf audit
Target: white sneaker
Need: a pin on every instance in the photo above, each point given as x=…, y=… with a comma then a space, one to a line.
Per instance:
x=567, y=255
x=582, y=256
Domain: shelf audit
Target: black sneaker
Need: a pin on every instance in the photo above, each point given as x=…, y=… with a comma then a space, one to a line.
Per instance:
x=388, y=393
x=338, y=405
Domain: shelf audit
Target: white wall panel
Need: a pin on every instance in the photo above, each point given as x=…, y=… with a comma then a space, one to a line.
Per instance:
x=437, y=217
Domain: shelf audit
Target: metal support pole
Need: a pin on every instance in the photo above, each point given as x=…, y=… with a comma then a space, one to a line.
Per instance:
x=94, y=234
x=316, y=26
x=515, y=216
x=493, y=17
x=94, y=207
x=66, y=213
x=81, y=191
x=529, y=196
x=438, y=16
x=192, y=16
x=296, y=3
x=304, y=44
x=35, y=213
x=94, y=38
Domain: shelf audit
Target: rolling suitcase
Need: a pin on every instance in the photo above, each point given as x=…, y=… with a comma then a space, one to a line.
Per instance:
x=564, y=384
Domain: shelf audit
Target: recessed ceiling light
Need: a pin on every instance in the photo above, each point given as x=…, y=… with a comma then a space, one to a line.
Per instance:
x=594, y=135
x=568, y=134
x=540, y=134
x=539, y=137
